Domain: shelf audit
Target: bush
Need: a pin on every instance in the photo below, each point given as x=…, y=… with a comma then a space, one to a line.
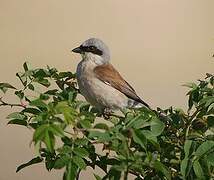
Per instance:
x=162, y=144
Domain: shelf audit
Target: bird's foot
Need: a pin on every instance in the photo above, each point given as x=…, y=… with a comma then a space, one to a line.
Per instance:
x=107, y=113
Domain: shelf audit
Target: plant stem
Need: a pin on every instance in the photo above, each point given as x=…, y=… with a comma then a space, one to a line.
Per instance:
x=126, y=174
x=191, y=119
x=3, y=103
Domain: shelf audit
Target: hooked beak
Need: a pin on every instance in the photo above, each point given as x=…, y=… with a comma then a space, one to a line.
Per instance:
x=77, y=50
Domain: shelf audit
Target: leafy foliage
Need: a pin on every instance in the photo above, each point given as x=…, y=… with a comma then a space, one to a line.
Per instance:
x=162, y=144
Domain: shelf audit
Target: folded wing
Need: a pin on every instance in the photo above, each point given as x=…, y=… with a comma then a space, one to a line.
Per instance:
x=110, y=76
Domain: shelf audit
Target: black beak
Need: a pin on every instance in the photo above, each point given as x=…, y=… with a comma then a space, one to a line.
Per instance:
x=77, y=50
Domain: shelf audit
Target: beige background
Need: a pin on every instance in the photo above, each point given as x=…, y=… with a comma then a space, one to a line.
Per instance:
x=156, y=44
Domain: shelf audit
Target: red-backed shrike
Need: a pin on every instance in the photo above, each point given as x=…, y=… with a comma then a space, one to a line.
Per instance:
x=99, y=82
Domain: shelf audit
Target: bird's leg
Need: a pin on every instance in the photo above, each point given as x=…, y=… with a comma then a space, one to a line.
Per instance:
x=107, y=112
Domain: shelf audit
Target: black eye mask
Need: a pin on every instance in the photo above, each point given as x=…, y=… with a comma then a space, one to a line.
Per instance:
x=91, y=49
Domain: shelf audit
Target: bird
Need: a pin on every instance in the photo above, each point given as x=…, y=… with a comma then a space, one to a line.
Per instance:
x=100, y=83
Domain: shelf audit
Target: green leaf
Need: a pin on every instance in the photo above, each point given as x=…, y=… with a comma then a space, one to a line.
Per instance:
x=72, y=96
x=41, y=73
x=97, y=177
x=62, y=161
x=198, y=170
x=31, y=87
x=39, y=133
x=68, y=112
x=100, y=136
x=85, y=124
x=157, y=126
x=210, y=158
x=56, y=129
x=38, y=103
x=210, y=121
x=20, y=94
x=31, y=162
x=187, y=146
x=49, y=140
x=139, y=138
x=16, y=115
x=84, y=107
x=207, y=101
x=163, y=169
x=185, y=163
x=190, y=85
x=25, y=66
x=204, y=148
x=44, y=97
x=101, y=126
x=5, y=86
x=137, y=121
x=22, y=78
x=31, y=111
x=79, y=162
x=183, y=166
x=18, y=122
x=51, y=92
x=42, y=81
x=81, y=152
x=66, y=74
x=71, y=172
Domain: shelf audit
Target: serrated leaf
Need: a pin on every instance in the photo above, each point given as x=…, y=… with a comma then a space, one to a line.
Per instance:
x=31, y=162
x=97, y=177
x=49, y=140
x=187, y=146
x=204, y=148
x=51, y=92
x=100, y=136
x=71, y=172
x=62, y=161
x=139, y=138
x=72, y=96
x=22, y=78
x=20, y=94
x=157, y=126
x=79, y=162
x=190, y=85
x=44, y=97
x=163, y=169
x=5, y=86
x=210, y=158
x=81, y=152
x=101, y=126
x=136, y=120
x=16, y=115
x=57, y=130
x=18, y=122
x=43, y=82
x=198, y=170
x=40, y=133
x=183, y=167
x=85, y=124
x=41, y=73
x=38, y=103
x=31, y=87
x=31, y=111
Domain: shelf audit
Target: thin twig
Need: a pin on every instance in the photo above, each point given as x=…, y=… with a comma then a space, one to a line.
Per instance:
x=3, y=103
x=191, y=119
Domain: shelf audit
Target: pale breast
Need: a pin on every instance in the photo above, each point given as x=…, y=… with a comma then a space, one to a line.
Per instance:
x=95, y=91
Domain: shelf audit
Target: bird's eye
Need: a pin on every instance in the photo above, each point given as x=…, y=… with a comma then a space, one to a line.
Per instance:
x=92, y=48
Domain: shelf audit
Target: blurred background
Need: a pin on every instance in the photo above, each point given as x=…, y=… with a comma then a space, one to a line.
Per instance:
x=157, y=45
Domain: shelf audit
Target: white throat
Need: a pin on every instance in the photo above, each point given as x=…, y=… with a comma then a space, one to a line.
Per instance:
x=88, y=56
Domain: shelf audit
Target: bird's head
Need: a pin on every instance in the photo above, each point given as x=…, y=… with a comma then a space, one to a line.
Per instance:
x=94, y=49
